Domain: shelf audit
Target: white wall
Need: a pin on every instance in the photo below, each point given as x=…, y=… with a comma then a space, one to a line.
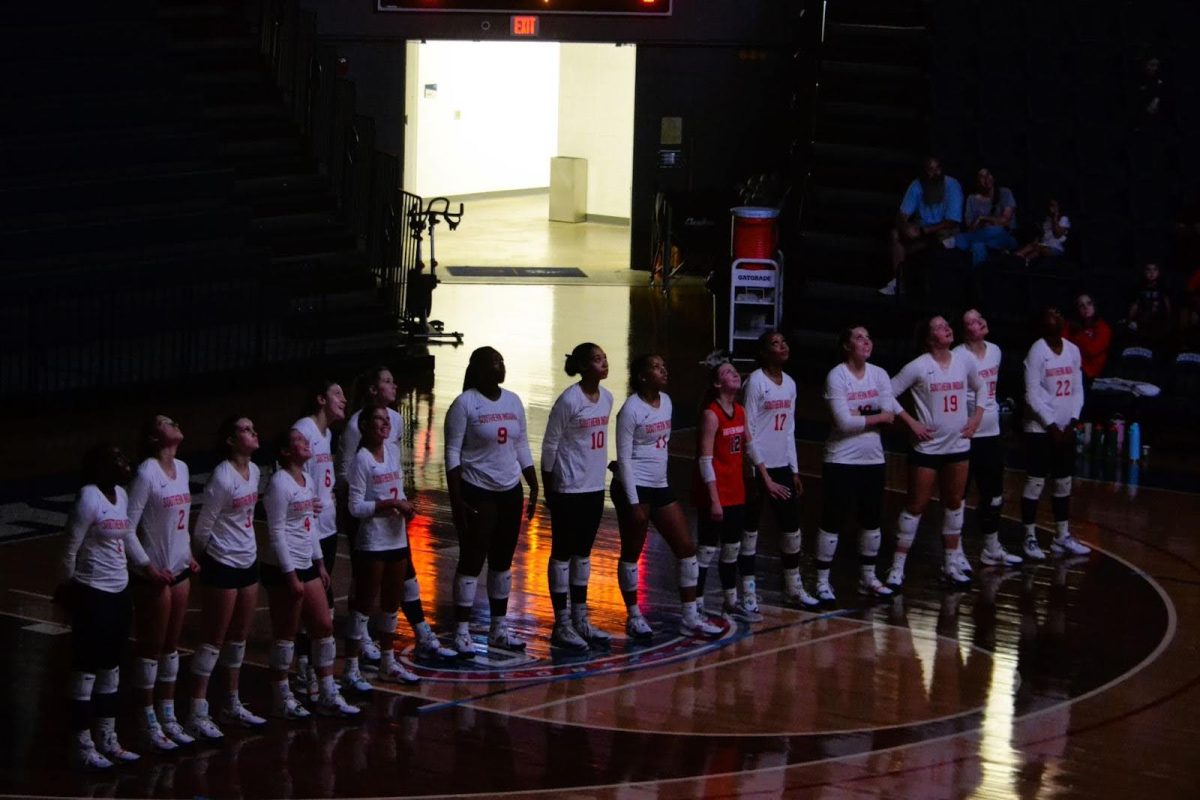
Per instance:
x=595, y=120
x=491, y=125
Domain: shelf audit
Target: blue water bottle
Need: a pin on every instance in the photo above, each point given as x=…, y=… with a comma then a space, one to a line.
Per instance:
x=1135, y=442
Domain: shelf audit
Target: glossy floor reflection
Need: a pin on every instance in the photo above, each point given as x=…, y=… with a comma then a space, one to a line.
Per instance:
x=1064, y=680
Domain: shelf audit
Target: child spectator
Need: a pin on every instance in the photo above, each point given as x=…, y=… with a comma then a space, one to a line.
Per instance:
x=1149, y=320
x=1053, y=242
x=1092, y=336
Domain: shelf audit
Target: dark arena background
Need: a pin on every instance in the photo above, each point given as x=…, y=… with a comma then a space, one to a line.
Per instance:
x=210, y=204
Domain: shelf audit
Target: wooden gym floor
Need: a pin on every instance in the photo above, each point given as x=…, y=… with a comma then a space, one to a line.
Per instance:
x=1069, y=679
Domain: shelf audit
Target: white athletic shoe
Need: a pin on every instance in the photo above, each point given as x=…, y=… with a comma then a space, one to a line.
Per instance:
x=801, y=599
x=697, y=626
x=999, y=557
x=954, y=576
x=637, y=629
x=895, y=579
x=111, y=749
x=464, y=645
x=960, y=561
x=87, y=757
x=743, y=610
x=355, y=682
x=238, y=715
x=825, y=593
x=888, y=288
x=566, y=637
x=584, y=627
x=370, y=652
x=335, y=705
x=290, y=708
x=1032, y=551
x=154, y=740
x=431, y=648
x=202, y=727
x=500, y=636
x=173, y=729
x=1068, y=546
x=873, y=587
x=395, y=672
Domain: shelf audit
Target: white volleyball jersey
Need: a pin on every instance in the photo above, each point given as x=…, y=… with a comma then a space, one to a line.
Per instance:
x=851, y=401
x=487, y=438
x=162, y=506
x=349, y=440
x=371, y=481
x=319, y=469
x=1053, y=386
x=575, y=447
x=100, y=541
x=643, y=437
x=291, y=529
x=940, y=398
x=225, y=524
x=988, y=368
x=771, y=418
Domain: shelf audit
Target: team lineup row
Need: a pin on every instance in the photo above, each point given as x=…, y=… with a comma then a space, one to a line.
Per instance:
x=955, y=431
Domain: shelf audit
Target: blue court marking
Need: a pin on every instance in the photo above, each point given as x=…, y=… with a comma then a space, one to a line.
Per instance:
x=743, y=632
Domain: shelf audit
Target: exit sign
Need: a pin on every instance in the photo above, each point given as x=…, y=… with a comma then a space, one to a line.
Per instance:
x=524, y=26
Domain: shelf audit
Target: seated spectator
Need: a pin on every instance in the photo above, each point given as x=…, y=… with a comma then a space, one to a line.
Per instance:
x=1053, y=242
x=930, y=211
x=1149, y=320
x=990, y=219
x=1092, y=336
x=1189, y=317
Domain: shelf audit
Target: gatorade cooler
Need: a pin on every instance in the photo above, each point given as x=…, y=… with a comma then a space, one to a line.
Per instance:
x=755, y=232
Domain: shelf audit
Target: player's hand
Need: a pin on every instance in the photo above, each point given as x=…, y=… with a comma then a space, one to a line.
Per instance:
x=777, y=490
x=715, y=512
x=797, y=484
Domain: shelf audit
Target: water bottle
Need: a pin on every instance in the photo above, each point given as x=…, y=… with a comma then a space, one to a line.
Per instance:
x=1118, y=426
x=1135, y=442
x=1079, y=440
x=1112, y=447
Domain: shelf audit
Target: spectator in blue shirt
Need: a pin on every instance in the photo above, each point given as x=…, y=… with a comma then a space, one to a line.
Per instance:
x=930, y=211
x=990, y=220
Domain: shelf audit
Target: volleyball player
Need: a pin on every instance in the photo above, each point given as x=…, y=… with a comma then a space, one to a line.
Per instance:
x=987, y=450
x=100, y=549
x=326, y=406
x=376, y=498
x=293, y=571
x=487, y=453
x=642, y=495
x=226, y=549
x=770, y=402
x=859, y=395
x=574, y=459
x=939, y=379
x=719, y=487
x=376, y=388
x=160, y=504
x=1053, y=400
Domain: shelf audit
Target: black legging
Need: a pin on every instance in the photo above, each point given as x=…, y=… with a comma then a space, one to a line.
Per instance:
x=495, y=546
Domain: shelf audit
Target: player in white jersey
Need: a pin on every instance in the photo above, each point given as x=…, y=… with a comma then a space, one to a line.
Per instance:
x=942, y=430
x=574, y=464
x=101, y=546
x=160, y=504
x=487, y=454
x=987, y=449
x=769, y=397
x=1053, y=401
x=859, y=396
x=325, y=407
x=225, y=547
x=381, y=550
x=293, y=571
x=642, y=494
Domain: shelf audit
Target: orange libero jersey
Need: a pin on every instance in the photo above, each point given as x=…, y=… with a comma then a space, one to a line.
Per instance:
x=728, y=445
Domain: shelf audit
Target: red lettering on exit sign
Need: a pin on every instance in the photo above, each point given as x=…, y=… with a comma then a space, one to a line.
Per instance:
x=524, y=26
